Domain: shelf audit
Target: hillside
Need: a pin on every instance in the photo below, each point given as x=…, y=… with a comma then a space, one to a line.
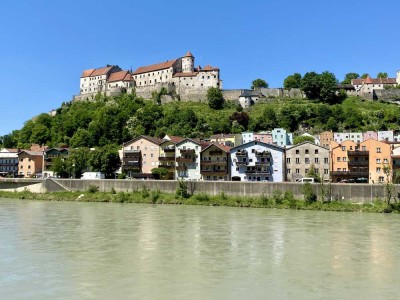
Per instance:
x=114, y=120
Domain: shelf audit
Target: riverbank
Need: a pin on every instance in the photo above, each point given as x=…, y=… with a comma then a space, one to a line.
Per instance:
x=277, y=201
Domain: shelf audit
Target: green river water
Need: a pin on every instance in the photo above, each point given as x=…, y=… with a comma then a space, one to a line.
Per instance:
x=72, y=250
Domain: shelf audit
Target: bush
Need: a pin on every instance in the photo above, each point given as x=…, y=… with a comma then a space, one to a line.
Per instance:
x=201, y=197
x=154, y=195
x=93, y=188
x=277, y=197
x=145, y=192
x=308, y=193
x=182, y=189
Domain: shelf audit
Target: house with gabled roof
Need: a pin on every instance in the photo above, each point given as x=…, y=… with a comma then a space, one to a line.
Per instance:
x=257, y=161
x=30, y=163
x=214, y=162
x=140, y=155
x=303, y=157
x=187, y=153
x=9, y=162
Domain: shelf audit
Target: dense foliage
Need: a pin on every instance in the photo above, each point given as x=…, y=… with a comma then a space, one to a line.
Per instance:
x=115, y=120
x=259, y=83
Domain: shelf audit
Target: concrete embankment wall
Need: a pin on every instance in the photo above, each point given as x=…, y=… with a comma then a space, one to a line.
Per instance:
x=348, y=192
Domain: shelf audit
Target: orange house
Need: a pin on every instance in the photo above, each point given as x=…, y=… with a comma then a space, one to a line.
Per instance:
x=339, y=160
x=30, y=163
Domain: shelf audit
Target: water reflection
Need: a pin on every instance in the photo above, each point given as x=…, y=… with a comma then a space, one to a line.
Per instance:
x=98, y=251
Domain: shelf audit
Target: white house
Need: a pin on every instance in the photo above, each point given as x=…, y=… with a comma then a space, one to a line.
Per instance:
x=187, y=153
x=257, y=161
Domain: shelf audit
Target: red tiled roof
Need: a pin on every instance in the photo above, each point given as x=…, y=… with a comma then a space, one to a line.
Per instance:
x=101, y=71
x=206, y=145
x=189, y=54
x=155, y=67
x=369, y=80
x=176, y=139
x=120, y=76
x=32, y=153
x=86, y=73
x=194, y=74
x=210, y=68
x=12, y=150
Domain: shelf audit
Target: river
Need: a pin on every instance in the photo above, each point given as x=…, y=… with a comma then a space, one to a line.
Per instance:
x=72, y=250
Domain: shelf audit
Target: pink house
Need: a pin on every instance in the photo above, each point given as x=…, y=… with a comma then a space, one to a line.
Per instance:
x=263, y=136
x=370, y=135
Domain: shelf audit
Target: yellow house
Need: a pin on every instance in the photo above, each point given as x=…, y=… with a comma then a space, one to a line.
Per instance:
x=214, y=163
x=231, y=140
x=379, y=159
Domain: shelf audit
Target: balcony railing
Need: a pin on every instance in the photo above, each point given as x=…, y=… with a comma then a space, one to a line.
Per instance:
x=215, y=152
x=242, y=163
x=358, y=153
x=349, y=173
x=214, y=162
x=167, y=166
x=168, y=149
x=263, y=172
x=214, y=172
x=185, y=159
x=166, y=158
x=241, y=153
x=263, y=163
x=358, y=163
x=187, y=151
x=263, y=153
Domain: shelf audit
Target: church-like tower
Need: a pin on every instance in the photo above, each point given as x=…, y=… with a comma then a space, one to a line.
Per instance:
x=188, y=63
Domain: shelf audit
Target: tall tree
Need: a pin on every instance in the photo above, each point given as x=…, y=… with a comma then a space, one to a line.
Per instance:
x=328, y=86
x=349, y=76
x=382, y=75
x=311, y=85
x=292, y=81
x=215, y=98
x=259, y=83
x=365, y=75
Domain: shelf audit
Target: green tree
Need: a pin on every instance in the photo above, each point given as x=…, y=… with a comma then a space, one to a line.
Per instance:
x=159, y=173
x=259, y=83
x=78, y=162
x=60, y=167
x=81, y=138
x=302, y=138
x=365, y=75
x=292, y=81
x=215, y=98
x=328, y=86
x=313, y=174
x=349, y=76
x=382, y=75
x=40, y=134
x=105, y=159
x=311, y=85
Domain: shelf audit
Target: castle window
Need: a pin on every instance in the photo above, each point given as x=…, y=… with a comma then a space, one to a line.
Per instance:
x=150, y=81
x=202, y=77
x=201, y=84
x=208, y=77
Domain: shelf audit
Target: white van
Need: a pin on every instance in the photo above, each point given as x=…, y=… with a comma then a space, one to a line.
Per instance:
x=307, y=179
x=93, y=175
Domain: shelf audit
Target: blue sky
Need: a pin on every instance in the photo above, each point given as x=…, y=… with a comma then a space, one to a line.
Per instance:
x=47, y=44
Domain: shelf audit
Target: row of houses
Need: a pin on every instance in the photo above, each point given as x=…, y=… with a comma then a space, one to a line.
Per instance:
x=36, y=161
x=370, y=161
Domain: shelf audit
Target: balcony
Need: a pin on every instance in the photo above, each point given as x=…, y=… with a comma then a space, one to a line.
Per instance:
x=215, y=152
x=169, y=149
x=257, y=172
x=213, y=162
x=131, y=163
x=188, y=151
x=241, y=153
x=358, y=153
x=350, y=173
x=132, y=153
x=166, y=158
x=264, y=153
x=241, y=163
x=166, y=166
x=263, y=163
x=214, y=172
x=185, y=160
x=358, y=163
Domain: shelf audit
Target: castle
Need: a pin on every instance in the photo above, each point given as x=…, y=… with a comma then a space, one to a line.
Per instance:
x=178, y=76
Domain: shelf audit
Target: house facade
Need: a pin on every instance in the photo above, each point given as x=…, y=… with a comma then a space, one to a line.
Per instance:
x=187, y=153
x=227, y=139
x=325, y=138
x=30, y=163
x=257, y=161
x=301, y=158
x=9, y=162
x=141, y=155
x=214, y=163
x=281, y=137
x=356, y=137
x=263, y=136
x=49, y=156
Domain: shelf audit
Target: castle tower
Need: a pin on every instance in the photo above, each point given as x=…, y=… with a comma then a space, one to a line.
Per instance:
x=398, y=78
x=188, y=63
